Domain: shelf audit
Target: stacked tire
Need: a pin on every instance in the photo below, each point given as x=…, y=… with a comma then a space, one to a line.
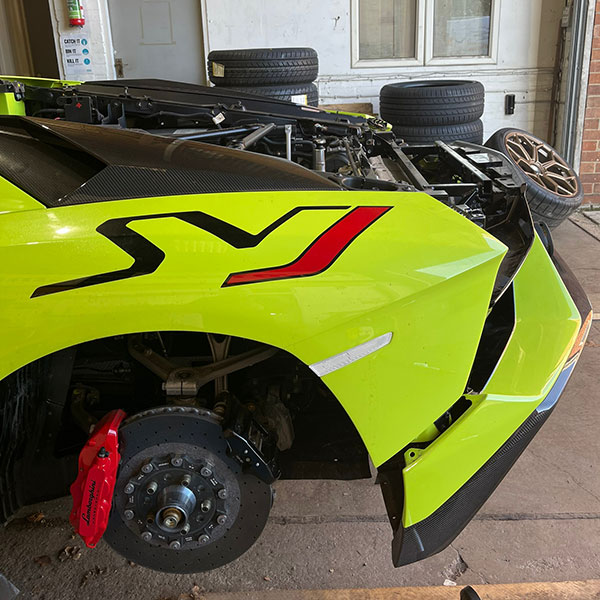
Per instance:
x=430, y=110
x=279, y=73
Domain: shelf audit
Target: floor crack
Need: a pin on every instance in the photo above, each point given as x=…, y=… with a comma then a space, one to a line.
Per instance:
x=562, y=470
x=459, y=566
x=456, y=568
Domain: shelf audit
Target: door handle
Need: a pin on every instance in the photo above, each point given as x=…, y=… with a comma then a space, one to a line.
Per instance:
x=119, y=68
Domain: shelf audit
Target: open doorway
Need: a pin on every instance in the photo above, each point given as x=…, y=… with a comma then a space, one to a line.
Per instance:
x=26, y=39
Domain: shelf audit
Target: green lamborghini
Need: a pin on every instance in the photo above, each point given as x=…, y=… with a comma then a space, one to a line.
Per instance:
x=203, y=291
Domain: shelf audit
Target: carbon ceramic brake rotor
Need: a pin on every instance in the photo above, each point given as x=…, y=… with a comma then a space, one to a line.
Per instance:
x=181, y=504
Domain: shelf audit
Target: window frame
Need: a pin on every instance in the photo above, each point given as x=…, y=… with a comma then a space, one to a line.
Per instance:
x=424, y=35
x=415, y=61
x=492, y=57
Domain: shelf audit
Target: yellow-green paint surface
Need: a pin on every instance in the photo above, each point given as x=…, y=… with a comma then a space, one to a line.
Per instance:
x=388, y=126
x=9, y=105
x=547, y=323
x=421, y=271
x=40, y=81
x=14, y=199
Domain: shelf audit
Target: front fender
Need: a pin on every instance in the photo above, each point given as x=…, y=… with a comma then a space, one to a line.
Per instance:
x=421, y=271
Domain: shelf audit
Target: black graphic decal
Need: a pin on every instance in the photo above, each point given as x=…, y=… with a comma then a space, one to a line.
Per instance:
x=147, y=257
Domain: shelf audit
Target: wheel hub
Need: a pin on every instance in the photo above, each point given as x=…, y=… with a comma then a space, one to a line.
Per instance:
x=182, y=503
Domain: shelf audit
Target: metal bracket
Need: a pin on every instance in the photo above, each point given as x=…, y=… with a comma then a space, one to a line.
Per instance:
x=187, y=381
x=247, y=455
x=16, y=87
x=219, y=348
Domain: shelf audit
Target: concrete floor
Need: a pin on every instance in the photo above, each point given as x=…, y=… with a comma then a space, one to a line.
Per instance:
x=542, y=523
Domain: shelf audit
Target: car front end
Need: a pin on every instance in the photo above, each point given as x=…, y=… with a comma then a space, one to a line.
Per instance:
x=397, y=296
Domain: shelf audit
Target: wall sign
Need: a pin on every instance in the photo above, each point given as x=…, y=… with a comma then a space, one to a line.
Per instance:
x=76, y=55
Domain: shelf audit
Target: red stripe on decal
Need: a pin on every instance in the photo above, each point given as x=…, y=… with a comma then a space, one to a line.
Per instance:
x=322, y=253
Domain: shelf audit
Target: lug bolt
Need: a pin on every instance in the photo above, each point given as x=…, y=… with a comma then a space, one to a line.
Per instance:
x=203, y=539
x=222, y=494
x=177, y=461
x=186, y=530
x=147, y=468
x=152, y=488
x=186, y=480
x=129, y=488
x=206, y=505
x=205, y=472
x=129, y=514
x=146, y=536
x=175, y=545
x=222, y=519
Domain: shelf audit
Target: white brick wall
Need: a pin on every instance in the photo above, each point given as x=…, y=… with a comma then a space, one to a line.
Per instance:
x=98, y=26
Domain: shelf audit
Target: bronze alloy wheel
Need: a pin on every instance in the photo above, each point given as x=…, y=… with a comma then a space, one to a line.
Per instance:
x=541, y=163
x=553, y=189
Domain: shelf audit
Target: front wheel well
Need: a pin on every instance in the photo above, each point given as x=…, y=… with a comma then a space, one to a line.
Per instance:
x=49, y=407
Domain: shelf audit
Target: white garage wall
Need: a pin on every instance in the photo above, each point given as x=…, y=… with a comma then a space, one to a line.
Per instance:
x=528, y=33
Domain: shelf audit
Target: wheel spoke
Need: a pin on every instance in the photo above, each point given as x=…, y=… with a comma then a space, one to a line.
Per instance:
x=562, y=183
x=538, y=179
x=549, y=184
x=518, y=149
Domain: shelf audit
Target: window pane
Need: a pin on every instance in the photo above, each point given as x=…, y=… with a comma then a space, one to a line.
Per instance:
x=462, y=27
x=387, y=28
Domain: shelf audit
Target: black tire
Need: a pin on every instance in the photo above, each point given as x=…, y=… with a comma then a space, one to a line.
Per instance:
x=545, y=205
x=301, y=93
x=465, y=132
x=431, y=103
x=263, y=66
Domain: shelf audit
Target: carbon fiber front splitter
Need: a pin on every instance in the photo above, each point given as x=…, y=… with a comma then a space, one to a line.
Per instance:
x=436, y=532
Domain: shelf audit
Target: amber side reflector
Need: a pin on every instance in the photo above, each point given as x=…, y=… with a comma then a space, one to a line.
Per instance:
x=582, y=335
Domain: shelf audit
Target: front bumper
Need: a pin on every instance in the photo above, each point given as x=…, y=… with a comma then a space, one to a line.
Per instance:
x=440, y=491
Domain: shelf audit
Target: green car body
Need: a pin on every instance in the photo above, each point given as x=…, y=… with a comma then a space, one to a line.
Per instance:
x=363, y=295
x=420, y=271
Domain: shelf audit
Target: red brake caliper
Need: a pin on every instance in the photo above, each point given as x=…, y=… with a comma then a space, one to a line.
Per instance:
x=93, y=489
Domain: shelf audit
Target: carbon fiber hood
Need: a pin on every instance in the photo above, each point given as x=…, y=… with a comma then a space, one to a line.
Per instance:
x=62, y=163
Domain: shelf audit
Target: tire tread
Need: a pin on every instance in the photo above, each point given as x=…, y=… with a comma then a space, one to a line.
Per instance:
x=431, y=103
x=284, y=92
x=264, y=66
x=467, y=132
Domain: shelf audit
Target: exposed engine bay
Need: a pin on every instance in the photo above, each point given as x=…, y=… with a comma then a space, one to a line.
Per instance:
x=347, y=151
x=355, y=152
